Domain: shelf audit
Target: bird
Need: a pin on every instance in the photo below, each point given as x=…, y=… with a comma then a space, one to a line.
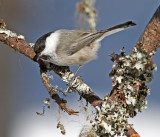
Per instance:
x=73, y=47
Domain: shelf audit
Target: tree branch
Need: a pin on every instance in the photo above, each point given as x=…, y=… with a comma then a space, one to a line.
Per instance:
x=17, y=42
x=150, y=39
x=52, y=91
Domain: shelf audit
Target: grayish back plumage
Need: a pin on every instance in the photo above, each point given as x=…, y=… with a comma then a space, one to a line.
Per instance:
x=76, y=40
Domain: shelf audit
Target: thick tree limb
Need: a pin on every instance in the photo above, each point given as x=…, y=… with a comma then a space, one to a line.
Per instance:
x=149, y=41
x=17, y=42
x=135, y=82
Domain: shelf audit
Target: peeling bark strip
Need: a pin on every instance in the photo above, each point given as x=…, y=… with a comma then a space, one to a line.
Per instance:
x=129, y=89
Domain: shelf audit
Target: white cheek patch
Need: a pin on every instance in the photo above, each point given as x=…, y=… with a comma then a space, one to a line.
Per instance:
x=51, y=44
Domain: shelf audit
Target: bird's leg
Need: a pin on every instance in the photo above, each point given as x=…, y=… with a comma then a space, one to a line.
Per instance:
x=73, y=78
x=77, y=71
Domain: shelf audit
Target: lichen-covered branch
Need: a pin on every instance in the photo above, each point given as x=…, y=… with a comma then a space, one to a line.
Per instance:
x=18, y=43
x=77, y=85
x=131, y=73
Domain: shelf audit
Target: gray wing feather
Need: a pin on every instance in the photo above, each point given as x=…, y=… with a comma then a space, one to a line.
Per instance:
x=72, y=41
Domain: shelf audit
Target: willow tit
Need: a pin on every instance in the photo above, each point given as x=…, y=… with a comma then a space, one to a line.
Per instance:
x=73, y=47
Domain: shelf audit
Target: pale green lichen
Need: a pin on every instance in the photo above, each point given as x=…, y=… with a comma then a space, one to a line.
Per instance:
x=20, y=37
x=82, y=88
x=43, y=75
x=7, y=32
x=10, y=33
x=31, y=45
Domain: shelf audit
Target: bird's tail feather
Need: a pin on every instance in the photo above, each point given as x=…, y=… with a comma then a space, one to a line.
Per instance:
x=117, y=28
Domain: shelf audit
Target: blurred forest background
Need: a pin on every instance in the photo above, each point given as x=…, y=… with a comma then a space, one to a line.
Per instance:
x=21, y=88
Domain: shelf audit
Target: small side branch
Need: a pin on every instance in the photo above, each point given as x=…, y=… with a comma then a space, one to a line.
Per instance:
x=52, y=91
x=78, y=85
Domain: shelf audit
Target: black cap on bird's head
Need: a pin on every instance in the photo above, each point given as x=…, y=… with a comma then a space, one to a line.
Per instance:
x=40, y=45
